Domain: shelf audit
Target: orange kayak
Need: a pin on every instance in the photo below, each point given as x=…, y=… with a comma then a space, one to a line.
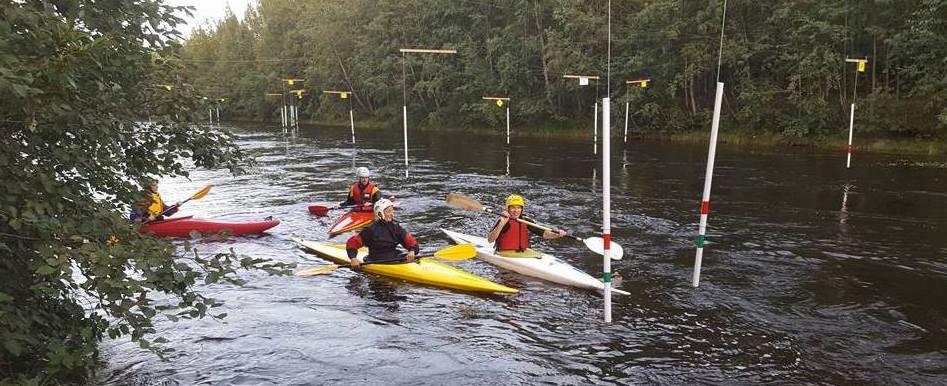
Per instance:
x=351, y=221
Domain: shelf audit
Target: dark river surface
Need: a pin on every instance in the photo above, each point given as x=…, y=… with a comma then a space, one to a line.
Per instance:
x=812, y=273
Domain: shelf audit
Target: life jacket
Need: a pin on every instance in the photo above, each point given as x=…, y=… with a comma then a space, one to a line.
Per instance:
x=513, y=237
x=156, y=205
x=362, y=196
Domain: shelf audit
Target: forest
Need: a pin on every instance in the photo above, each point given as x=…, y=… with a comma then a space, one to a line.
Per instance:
x=783, y=63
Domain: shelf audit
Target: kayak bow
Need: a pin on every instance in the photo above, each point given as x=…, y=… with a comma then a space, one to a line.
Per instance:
x=351, y=221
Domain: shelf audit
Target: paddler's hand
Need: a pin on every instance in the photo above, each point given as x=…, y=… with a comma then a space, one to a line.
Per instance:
x=356, y=263
x=504, y=217
x=409, y=257
x=561, y=233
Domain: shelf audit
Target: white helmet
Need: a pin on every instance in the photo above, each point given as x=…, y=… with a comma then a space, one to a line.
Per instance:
x=380, y=207
x=362, y=172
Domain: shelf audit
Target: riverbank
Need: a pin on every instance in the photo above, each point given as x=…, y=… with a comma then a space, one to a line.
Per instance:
x=931, y=147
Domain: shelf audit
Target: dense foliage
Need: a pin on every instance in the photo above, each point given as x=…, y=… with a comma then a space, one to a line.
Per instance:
x=783, y=61
x=78, y=80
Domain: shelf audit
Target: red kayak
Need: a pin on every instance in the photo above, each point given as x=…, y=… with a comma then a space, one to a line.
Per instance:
x=351, y=221
x=183, y=226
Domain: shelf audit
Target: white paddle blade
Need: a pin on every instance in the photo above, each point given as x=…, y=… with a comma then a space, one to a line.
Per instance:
x=597, y=245
x=318, y=270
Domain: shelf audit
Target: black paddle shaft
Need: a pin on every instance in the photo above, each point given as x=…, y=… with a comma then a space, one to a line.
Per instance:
x=399, y=259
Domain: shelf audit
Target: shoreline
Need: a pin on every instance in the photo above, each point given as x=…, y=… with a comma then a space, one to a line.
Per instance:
x=905, y=146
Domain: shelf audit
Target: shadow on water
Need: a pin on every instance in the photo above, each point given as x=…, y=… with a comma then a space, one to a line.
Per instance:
x=812, y=273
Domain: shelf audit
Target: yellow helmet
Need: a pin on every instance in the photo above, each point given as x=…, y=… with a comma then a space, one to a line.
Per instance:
x=515, y=200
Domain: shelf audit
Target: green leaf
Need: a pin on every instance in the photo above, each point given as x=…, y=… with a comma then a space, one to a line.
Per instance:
x=13, y=347
x=46, y=270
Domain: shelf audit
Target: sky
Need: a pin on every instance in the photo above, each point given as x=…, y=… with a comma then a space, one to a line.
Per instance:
x=209, y=10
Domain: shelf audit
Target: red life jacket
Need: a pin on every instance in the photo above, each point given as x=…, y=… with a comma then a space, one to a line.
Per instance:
x=514, y=237
x=362, y=196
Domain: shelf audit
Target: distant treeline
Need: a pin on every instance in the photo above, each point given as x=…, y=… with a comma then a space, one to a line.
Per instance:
x=783, y=62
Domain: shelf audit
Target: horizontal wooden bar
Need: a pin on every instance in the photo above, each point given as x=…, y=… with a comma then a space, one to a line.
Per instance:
x=427, y=51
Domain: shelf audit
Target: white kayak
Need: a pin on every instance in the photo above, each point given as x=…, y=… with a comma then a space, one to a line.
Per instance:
x=531, y=263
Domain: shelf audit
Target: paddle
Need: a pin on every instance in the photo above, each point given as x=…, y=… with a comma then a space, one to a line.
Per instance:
x=196, y=196
x=457, y=252
x=595, y=244
x=322, y=210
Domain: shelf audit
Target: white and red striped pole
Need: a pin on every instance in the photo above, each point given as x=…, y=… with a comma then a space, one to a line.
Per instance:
x=711, y=155
x=607, y=178
x=708, y=178
x=606, y=206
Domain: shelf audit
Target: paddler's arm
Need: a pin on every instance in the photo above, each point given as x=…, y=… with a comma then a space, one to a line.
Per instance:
x=411, y=244
x=351, y=249
x=498, y=227
x=376, y=195
x=348, y=202
x=550, y=235
x=547, y=235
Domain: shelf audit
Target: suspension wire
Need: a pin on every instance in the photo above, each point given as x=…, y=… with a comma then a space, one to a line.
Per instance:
x=723, y=24
x=608, y=66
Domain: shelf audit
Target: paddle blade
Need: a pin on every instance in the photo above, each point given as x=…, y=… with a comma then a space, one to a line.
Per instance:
x=597, y=245
x=318, y=270
x=461, y=201
x=201, y=193
x=457, y=252
x=318, y=210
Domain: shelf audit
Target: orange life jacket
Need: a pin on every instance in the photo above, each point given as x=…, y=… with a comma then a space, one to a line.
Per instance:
x=362, y=196
x=514, y=237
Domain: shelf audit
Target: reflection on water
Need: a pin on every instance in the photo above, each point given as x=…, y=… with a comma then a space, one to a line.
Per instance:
x=843, y=213
x=508, y=163
x=797, y=287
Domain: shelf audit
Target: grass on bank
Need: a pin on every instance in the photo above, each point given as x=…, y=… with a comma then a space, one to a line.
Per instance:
x=936, y=146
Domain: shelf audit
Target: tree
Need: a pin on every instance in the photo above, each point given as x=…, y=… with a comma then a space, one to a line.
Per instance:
x=78, y=79
x=783, y=62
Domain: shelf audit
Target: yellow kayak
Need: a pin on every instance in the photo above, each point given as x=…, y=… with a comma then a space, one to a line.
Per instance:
x=425, y=270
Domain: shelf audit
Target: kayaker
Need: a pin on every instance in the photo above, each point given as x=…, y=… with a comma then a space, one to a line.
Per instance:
x=151, y=207
x=512, y=235
x=382, y=238
x=363, y=194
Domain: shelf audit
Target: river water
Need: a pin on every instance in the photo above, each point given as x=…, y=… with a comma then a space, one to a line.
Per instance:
x=812, y=273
